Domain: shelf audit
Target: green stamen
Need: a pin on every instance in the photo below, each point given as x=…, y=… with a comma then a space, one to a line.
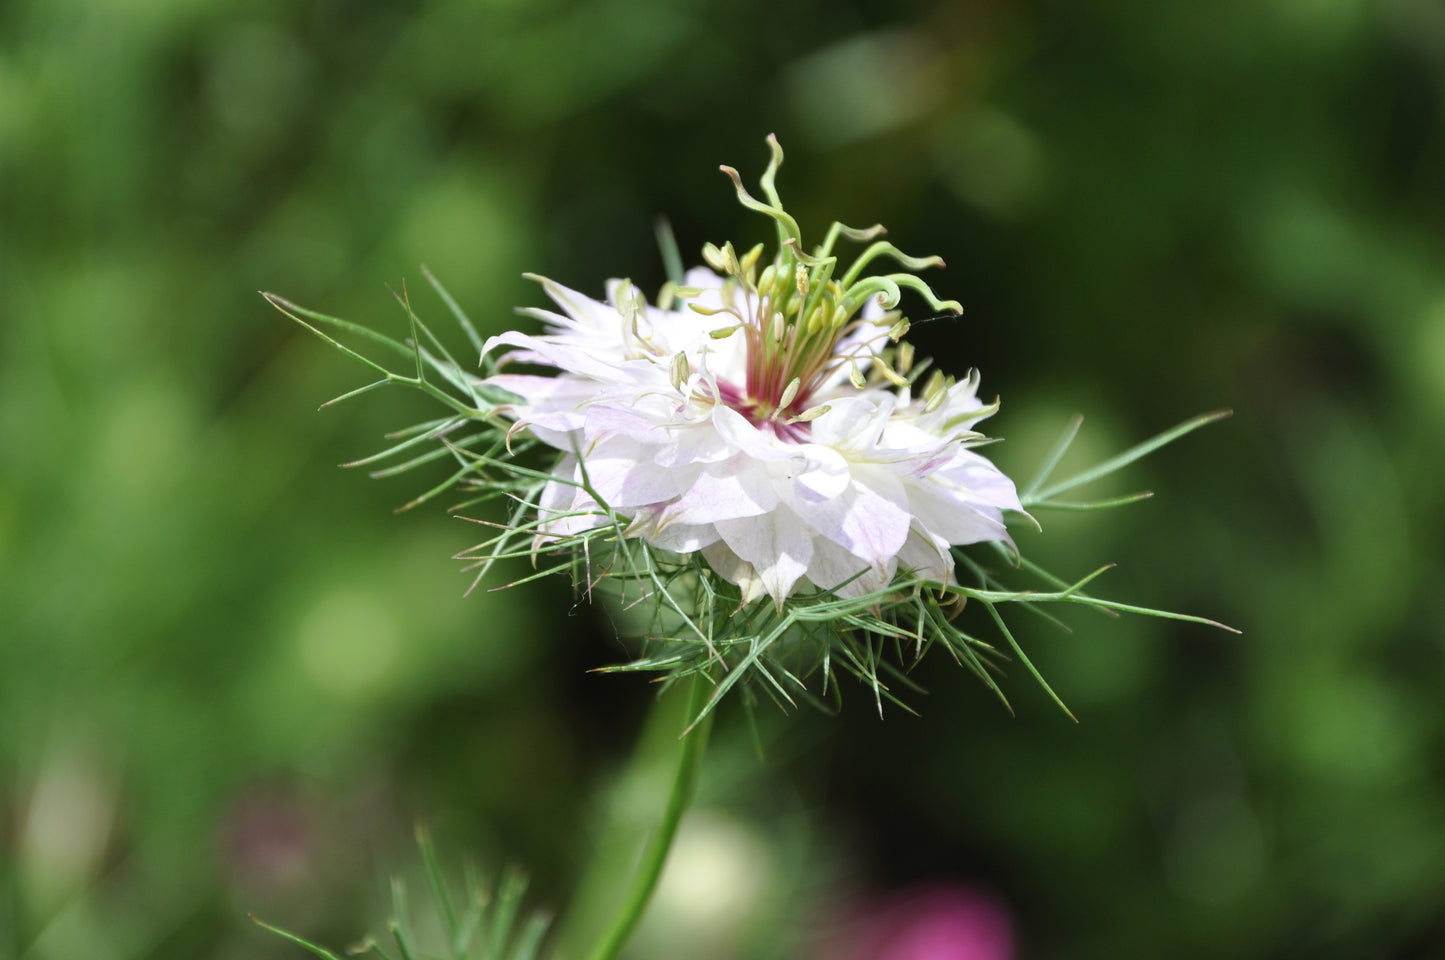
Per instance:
x=795, y=314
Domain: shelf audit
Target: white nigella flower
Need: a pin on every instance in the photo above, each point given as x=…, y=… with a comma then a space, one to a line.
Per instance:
x=762, y=424
x=768, y=423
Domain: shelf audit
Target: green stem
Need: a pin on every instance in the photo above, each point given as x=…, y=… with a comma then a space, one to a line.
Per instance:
x=684, y=780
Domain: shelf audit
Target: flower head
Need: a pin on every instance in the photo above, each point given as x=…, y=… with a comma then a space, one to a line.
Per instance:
x=760, y=430
x=764, y=413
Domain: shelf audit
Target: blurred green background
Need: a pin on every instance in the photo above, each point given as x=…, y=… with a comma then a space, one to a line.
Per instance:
x=230, y=676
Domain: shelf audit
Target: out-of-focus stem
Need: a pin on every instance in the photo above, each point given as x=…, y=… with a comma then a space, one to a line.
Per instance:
x=684, y=780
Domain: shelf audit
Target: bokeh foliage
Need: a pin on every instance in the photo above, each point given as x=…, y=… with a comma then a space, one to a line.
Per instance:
x=229, y=676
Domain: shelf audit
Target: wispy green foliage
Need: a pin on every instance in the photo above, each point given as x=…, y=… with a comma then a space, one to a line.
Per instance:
x=477, y=923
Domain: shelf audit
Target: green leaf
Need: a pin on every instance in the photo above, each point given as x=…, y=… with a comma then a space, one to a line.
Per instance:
x=1092, y=504
x=318, y=951
x=445, y=908
x=400, y=924
x=504, y=912
x=1061, y=446
x=530, y=939
x=296, y=312
x=458, y=314
x=1024, y=659
x=671, y=257
x=1128, y=456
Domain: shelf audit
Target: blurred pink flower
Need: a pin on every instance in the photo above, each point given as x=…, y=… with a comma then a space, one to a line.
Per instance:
x=929, y=922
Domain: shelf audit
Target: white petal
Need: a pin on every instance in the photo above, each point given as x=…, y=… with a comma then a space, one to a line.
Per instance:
x=730, y=567
x=551, y=351
x=824, y=474
x=724, y=491
x=564, y=507
x=833, y=568
x=927, y=557
x=778, y=546
x=588, y=313
x=607, y=420
x=691, y=443
x=984, y=482
x=703, y=279
x=870, y=520
x=758, y=444
x=684, y=537
x=624, y=478
x=845, y=421
x=945, y=513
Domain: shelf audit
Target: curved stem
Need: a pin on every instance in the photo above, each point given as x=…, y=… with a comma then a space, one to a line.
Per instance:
x=684, y=780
